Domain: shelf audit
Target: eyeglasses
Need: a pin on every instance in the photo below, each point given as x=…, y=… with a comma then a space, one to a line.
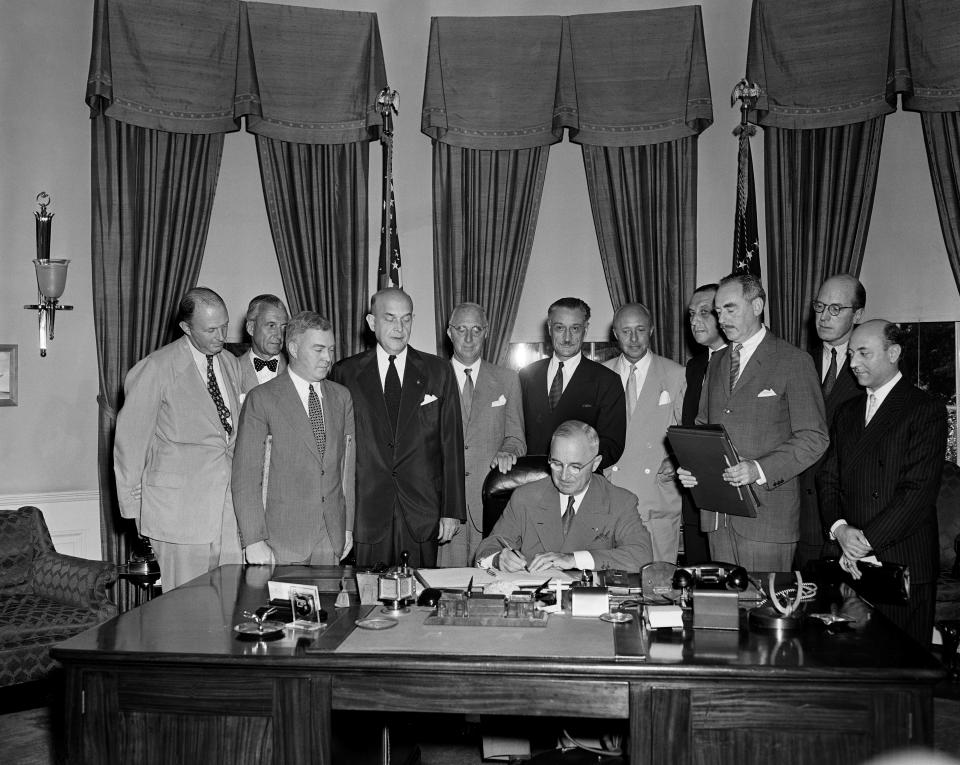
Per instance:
x=557, y=465
x=833, y=308
x=463, y=330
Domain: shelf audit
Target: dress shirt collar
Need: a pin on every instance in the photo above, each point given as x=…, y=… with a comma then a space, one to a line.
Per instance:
x=711, y=351
x=577, y=499
x=263, y=375
x=383, y=362
x=303, y=389
x=569, y=367
x=643, y=367
x=841, y=356
x=459, y=366
x=884, y=390
x=748, y=346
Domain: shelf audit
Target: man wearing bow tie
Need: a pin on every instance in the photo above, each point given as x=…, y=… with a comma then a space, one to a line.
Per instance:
x=307, y=516
x=409, y=441
x=654, y=388
x=174, y=444
x=492, y=413
x=266, y=320
x=765, y=392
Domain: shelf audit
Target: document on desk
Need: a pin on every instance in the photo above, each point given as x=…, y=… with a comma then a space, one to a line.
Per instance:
x=459, y=578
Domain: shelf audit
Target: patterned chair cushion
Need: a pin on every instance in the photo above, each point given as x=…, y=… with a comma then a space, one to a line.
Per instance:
x=16, y=550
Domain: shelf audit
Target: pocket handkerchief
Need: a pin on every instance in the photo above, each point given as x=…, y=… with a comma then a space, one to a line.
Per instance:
x=664, y=398
x=500, y=401
x=766, y=393
x=428, y=398
x=241, y=398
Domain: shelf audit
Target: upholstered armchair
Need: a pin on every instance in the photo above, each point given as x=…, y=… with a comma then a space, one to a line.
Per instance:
x=45, y=597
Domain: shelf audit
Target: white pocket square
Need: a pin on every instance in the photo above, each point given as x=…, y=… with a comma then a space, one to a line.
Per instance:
x=766, y=393
x=500, y=401
x=428, y=398
x=242, y=397
x=664, y=398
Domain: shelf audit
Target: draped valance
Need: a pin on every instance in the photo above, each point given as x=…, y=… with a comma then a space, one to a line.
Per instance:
x=932, y=31
x=823, y=63
x=306, y=75
x=614, y=79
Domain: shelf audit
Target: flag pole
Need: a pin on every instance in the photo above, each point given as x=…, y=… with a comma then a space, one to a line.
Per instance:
x=746, y=239
x=388, y=270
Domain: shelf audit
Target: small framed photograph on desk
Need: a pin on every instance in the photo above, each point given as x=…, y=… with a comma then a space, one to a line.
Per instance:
x=305, y=605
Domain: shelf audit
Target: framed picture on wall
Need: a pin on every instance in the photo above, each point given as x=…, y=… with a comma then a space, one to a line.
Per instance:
x=8, y=375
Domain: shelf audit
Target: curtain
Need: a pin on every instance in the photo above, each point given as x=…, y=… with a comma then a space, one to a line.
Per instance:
x=316, y=199
x=829, y=73
x=485, y=210
x=160, y=90
x=644, y=203
x=307, y=82
x=152, y=194
x=638, y=93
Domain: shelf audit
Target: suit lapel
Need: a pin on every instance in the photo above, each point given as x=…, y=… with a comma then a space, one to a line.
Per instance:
x=548, y=523
x=755, y=364
x=368, y=381
x=198, y=387
x=482, y=392
x=649, y=394
x=412, y=389
x=888, y=414
x=291, y=407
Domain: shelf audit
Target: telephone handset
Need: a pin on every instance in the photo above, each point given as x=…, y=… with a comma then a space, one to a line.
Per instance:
x=713, y=575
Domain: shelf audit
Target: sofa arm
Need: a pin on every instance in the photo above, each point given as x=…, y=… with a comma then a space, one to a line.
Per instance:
x=76, y=581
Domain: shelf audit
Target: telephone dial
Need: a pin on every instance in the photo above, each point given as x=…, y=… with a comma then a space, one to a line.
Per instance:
x=712, y=575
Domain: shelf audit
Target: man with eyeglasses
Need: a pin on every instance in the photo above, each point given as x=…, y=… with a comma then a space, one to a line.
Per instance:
x=492, y=414
x=409, y=462
x=570, y=386
x=765, y=392
x=837, y=309
x=573, y=519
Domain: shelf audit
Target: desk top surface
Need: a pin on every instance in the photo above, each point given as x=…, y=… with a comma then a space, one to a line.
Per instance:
x=194, y=623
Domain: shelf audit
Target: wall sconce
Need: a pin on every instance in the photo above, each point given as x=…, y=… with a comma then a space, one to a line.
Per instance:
x=51, y=275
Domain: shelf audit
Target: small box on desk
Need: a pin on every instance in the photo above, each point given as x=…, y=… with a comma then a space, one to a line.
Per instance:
x=715, y=609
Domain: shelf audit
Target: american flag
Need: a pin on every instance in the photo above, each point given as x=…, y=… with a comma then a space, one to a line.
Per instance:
x=746, y=239
x=388, y=269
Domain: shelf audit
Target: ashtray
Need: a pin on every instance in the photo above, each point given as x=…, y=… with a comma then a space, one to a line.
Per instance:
x=376, y=623
x=259, y=630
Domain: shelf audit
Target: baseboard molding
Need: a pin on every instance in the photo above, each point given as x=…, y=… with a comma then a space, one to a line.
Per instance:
x=73, y=518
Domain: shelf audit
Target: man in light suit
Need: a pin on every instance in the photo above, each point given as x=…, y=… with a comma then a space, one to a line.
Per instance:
x=573, y=519
x=654, y=388
x=766, y=393
x=492, y=413
x=839, y=308
x=174, y=444
x=409, y=441
x=309, y=510
x=878, y=486
x=569, y=386
x=266, y=320
x=706, y=332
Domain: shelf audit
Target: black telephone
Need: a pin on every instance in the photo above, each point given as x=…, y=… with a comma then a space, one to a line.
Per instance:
x=712, y=575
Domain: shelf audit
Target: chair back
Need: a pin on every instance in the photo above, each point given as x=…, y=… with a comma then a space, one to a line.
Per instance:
x=497, y=487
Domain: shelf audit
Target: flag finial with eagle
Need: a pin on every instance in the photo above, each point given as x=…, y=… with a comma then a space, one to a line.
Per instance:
x=746, y=238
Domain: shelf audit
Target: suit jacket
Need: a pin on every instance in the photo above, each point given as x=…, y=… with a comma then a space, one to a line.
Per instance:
x=249, y=379
x=775, y=416
x=170, y=442
x=884, y=478
x=696, y=370
x=606, y=525
x=421, y=468
x=304, y=492
x=594, y=395
x=846, y=388
x=640, y=469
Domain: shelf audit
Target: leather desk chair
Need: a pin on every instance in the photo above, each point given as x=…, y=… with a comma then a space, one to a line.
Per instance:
x=497, y=487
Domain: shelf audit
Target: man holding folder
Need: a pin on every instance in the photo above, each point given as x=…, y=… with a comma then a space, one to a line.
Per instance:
x=573, y=519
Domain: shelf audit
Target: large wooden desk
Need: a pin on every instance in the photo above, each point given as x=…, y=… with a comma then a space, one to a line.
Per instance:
x=170, y=682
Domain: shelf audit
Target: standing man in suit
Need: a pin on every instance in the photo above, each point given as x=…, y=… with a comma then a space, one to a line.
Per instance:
x=410, y=441
x=839, y=308
x=766, y=393
x=309, y=510
x=654, y=388
x=573, y=519
x=878, y=486
x=706, y=332
x=568, y=386
x=492, y=414
x=266, y=320
x=174, y=444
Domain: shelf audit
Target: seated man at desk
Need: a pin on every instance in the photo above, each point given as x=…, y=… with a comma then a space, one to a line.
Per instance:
x=573, y=519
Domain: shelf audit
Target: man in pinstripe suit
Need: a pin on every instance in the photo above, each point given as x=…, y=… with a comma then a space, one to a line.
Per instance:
x=878, y=487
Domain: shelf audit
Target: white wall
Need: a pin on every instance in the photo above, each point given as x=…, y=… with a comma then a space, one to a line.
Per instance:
x=48, y=442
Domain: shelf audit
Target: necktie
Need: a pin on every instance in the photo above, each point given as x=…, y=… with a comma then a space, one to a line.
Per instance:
x=466, y=395
x=735, y=364
x=871, y=409
x=631, y=391
x=568, y=515
x=259, y=364
x=215, y=394
x=315, y=412
x=391, y=392
x=831, y=379
x=556, y=387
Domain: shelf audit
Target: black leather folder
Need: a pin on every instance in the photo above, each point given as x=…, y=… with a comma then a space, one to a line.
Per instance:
x=706, y=451
x=888, y=583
